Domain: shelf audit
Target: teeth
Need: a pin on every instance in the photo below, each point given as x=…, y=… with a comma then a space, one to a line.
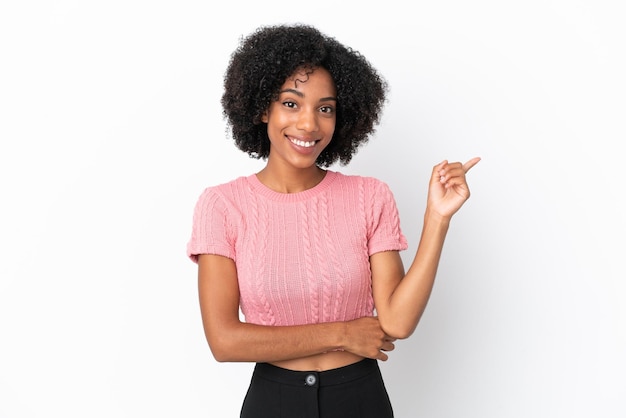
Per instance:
x=302, y=143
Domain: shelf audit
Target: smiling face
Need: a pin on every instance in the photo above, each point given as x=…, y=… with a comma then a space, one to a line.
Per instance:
x=301, y=122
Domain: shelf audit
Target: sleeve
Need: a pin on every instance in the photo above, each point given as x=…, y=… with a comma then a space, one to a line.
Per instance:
x=384, y=232
x=212, y=229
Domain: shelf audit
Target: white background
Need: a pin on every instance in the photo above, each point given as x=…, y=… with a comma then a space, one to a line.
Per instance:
x=110, y=127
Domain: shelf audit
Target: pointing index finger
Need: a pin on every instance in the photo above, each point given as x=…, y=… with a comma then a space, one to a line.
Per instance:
x=471, y=163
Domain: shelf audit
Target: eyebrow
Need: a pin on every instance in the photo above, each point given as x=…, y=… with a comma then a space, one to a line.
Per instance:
x=299, y=94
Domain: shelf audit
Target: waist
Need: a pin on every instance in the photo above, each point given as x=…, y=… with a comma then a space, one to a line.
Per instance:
x=320, y=362
x=330, y=377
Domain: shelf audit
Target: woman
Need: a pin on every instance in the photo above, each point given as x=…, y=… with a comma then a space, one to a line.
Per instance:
x=311, y=256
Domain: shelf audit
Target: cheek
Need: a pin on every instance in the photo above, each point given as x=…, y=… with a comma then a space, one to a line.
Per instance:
x=278, y=119
x=330, y=126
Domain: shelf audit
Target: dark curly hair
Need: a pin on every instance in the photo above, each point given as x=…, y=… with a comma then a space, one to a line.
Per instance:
x=269, y=56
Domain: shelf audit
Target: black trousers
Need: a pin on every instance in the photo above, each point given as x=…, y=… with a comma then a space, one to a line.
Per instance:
x=356, y=390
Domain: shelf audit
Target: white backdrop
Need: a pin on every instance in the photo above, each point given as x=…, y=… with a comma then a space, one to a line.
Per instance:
x=111, y=127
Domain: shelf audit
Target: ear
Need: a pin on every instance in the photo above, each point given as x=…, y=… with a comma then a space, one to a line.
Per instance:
x=264, y=117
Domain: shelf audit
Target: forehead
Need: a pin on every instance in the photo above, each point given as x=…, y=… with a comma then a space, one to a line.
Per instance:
x=304, y=77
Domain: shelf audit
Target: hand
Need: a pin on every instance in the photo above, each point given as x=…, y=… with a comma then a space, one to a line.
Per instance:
x=448, y=188
x=365, y=337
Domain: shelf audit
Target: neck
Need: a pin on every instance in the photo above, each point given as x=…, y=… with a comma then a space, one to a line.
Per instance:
x=290, y=180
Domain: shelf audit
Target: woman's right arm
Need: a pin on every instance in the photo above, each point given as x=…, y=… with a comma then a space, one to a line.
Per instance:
x=232, y=340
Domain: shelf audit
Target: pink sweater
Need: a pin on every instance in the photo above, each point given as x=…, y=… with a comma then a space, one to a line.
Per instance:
x=301, y=258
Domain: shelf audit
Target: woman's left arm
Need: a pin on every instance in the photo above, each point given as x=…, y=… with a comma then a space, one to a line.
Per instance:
x=401, y=298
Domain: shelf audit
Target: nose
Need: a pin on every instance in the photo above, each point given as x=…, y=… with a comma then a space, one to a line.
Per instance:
x=307, y=121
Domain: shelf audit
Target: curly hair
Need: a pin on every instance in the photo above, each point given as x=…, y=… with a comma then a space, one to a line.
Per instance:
x=269, y=56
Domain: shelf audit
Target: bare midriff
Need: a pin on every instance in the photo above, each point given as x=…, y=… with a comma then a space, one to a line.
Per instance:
x=320, y=362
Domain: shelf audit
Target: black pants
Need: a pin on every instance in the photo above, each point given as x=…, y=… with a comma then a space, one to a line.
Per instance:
x=355, y=391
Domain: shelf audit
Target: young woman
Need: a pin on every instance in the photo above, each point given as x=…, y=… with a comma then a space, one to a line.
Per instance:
x=311, y=256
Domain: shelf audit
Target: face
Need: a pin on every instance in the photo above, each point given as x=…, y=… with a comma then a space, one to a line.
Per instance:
x=300, y=124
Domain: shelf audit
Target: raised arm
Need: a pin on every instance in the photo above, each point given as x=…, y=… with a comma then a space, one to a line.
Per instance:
x=230, y=339
x=401, y=298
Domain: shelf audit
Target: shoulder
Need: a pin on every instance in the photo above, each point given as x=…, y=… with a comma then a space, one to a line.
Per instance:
x=224, y=197
x=370, y=185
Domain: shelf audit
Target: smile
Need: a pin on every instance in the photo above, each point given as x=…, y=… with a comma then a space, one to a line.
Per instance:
x=305, y=144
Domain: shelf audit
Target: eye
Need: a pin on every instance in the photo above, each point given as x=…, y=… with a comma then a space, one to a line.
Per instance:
x=289, y=104
x=327, y=109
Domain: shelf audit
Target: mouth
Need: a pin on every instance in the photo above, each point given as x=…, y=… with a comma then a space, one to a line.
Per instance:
x=301, y=143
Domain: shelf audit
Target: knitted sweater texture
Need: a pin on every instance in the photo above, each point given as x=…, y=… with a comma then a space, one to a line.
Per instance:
x=302, y=257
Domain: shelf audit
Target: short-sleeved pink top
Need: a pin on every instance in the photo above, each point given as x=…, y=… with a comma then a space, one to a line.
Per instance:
x=302, y=257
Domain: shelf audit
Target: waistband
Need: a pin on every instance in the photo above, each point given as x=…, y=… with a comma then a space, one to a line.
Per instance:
x=314, y=378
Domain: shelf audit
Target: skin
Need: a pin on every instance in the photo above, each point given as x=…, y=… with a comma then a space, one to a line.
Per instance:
x=300, y=125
